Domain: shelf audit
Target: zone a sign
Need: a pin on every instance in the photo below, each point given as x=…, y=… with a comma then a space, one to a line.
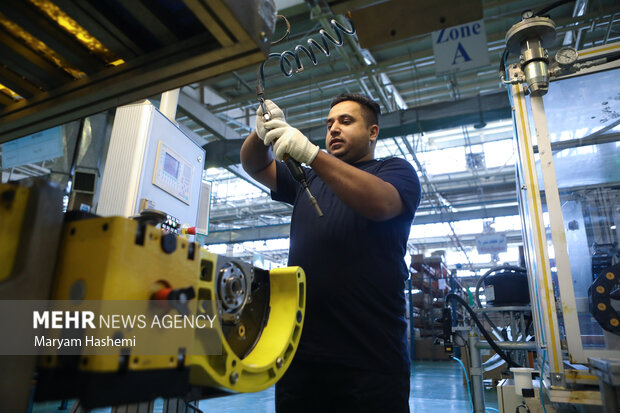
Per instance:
x=460, y=47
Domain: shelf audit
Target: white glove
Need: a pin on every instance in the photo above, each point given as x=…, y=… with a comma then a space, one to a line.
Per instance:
x=290, y=141
x=274, y=111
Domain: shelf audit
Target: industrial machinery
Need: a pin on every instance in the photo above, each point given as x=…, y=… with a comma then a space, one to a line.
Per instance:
x=573, y=307
x=82, y=261
x=566, y=110
x=572, y=280
x=505, y=323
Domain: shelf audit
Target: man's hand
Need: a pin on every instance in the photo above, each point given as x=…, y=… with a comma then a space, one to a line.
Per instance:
x=274, y=111
x=289, y=141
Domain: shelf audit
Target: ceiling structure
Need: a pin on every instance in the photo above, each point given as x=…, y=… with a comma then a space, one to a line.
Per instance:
x=63, y=60
x=430, y=119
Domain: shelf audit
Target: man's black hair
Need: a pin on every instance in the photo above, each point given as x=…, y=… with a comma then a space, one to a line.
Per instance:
x=370, y=108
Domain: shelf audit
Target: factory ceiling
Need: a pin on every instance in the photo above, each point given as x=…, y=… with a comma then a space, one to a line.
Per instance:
x=400, y=72
x=62, y=60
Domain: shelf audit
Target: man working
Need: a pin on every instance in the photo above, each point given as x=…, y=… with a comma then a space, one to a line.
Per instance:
x=353, y=353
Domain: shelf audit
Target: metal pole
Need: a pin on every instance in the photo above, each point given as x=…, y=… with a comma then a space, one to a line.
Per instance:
x=431, y=308
x=477, y=389
x=457, y=350
x=510, y=345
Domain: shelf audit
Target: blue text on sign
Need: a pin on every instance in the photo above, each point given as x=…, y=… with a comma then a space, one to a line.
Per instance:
x=456, y=33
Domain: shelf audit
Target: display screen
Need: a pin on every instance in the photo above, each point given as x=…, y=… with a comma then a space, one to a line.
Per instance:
x=171, y=165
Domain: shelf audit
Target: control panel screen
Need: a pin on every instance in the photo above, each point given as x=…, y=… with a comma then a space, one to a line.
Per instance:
x=172, y=173
x=171, y=165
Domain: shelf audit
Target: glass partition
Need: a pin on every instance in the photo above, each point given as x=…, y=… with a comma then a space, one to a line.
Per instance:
x=583, y=118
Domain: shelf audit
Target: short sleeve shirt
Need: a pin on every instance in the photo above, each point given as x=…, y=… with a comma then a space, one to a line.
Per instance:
x=355, y=270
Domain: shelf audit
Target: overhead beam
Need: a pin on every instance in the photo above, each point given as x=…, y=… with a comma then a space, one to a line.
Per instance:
x=238, y=171
x=24, y=60
x=205, y=118
x=145, y=76
x=283, y=230
x=248, y=234
x=436, y=116
x=467, y=240
x=209, y=21
x=25, y=15
x=101, y=28
x=17, y=83
x=150, y=22
x=481, y=213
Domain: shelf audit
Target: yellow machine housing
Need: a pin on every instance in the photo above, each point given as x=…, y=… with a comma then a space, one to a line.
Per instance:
x=13, y=201
x=109, y=259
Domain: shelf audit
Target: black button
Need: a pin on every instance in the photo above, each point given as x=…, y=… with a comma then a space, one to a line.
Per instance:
x=169, y=243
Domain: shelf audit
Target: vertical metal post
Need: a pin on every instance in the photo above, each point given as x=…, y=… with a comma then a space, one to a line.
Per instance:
x=558, y=235
x=539, y=268
x=477, y=388
x=457, y=350
x=430, y=295
x=168, y=104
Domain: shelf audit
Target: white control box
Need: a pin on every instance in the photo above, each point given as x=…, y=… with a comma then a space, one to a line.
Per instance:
x=151, y=163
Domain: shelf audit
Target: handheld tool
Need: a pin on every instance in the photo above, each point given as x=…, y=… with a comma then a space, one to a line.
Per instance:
x=293, y=166
x=300, y=176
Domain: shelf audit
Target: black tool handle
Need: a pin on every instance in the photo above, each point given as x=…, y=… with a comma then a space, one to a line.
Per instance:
x=296, y=170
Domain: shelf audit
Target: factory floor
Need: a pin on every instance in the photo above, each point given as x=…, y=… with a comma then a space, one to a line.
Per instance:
x=436, y=386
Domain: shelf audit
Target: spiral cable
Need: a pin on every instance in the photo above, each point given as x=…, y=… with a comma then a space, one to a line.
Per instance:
x=290, y=58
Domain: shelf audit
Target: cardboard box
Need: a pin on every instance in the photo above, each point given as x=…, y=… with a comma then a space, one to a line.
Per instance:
x=425, y=350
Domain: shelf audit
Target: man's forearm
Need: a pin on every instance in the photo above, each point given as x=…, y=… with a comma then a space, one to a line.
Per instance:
x=368, y=195
x=255, y=156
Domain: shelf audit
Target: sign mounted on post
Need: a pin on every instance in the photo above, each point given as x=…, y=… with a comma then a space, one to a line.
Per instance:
x=460, y=47
x=491, y=244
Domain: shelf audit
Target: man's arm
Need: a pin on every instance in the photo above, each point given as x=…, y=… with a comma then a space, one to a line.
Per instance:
x=369, y=195
x=257, y=160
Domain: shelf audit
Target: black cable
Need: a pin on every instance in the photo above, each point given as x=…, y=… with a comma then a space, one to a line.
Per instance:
x=483, y=330
x=551, y=6
x=76, y=151
x=527, y=409
x=502, y=60
x=193, y=408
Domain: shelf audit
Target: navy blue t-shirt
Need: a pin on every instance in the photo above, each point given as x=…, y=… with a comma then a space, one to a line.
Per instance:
x=355, y=270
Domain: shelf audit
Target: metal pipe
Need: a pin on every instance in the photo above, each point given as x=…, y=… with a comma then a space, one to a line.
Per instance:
x=611, y=23
x=513, y=327
x=501, y=309
x=477, y=389
x=509, y=345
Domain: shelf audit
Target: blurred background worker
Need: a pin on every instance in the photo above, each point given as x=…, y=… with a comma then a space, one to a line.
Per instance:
x=353, y=352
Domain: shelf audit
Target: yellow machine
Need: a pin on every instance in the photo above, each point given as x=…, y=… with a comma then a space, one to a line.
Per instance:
x=120, y=262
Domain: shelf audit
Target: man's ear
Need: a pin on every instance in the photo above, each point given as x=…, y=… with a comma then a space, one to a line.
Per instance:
x=374, y=132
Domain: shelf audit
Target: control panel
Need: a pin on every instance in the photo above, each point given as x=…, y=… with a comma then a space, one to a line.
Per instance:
x=171, y=224
x=172, y=173
x=152, y=165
